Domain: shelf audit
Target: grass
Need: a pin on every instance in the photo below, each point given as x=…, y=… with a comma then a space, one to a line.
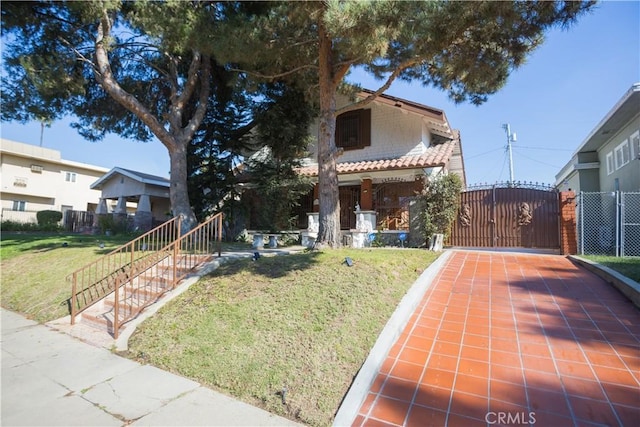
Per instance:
x=628, y=266
x=302, y=323
x=35, y=266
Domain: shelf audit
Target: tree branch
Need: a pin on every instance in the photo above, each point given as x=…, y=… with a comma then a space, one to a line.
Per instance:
x=104, y=76
x=205, y=87
x=392, y=77
x=274, y=76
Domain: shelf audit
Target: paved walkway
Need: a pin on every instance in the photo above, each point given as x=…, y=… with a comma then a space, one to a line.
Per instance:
x=511, y=339
x=52, y=379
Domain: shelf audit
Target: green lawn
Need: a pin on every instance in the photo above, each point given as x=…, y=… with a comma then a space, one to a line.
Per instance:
x=35, y=266
x=628, y=266
x=303, y=322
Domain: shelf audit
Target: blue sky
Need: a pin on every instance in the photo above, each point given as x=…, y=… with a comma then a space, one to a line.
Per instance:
x=552, y=103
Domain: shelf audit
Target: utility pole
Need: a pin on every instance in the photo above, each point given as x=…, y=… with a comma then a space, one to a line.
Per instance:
x=511, y=137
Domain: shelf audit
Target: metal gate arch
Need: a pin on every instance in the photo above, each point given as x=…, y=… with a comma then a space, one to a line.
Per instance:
x=507, y=215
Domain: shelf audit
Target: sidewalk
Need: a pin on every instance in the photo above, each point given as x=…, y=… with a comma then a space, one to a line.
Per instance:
x=508, y=339
x=52, y=379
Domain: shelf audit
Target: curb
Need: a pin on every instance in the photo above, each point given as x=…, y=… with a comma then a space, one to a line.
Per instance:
x=628, y=287
x=357, y=393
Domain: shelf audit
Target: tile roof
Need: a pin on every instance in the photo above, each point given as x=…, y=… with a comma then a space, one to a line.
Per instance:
x=434, y=156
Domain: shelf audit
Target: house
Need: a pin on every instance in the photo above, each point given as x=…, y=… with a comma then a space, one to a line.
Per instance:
x=609, y=158
x=145, y=196
x=390, y=146
x=36, y=178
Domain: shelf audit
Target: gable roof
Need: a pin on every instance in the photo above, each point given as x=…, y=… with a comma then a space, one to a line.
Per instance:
x=144, y=178
x=436, y=155
x=434, y=117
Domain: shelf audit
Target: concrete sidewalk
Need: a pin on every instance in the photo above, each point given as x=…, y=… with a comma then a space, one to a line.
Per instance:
x=52, y=379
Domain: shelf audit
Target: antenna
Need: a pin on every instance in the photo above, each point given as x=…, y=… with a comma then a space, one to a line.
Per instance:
x=511, y=137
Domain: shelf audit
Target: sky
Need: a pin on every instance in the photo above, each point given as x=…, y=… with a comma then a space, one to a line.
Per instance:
x=552, y=103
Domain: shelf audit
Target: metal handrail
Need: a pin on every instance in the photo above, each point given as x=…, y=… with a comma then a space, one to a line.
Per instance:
x=167, y=265
x=96, y=279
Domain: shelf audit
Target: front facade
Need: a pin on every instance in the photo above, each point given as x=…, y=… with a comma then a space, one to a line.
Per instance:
x=390, y=146
x=36, y=179
x=609, y=158
x=141, y=195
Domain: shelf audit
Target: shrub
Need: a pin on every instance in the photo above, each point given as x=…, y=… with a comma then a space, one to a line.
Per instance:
x=440, y=200
x=48, y=218
x=107, y=222
x=9, y=225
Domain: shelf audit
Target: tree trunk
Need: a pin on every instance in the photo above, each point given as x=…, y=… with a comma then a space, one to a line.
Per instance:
x=329, y=218
x=177, y=138
x=178, y=192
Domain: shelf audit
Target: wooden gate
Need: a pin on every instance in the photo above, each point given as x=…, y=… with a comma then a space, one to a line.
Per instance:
x=507, y=217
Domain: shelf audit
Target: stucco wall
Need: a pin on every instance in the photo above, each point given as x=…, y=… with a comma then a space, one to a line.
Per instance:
x=46, y=188
x=394, y=133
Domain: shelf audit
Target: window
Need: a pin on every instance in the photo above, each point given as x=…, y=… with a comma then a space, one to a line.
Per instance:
x=622, y=154
x=37, y=168
x=610, y=168
x=19, y=205
x=635, y=145
x=353, y=129
x=70, y=176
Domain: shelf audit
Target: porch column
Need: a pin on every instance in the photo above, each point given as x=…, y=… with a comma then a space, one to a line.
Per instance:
x=102, y=207
x=121, y=207
x=366, y=194
x=144, y=219
x=101, y=212
x=120, y=213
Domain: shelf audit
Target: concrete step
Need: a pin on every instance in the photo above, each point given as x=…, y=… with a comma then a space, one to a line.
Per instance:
x=148, y=287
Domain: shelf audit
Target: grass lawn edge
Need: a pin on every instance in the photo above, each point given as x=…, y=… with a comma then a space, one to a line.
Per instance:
x=361, y=385
x=627, y=286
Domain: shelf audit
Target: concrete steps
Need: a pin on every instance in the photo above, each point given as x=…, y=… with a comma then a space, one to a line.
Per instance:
x=144, y=290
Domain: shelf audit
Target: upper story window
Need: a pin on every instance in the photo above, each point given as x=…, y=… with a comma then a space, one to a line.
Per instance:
x=70, y=176
x=622, y=154
x=353, y=129
x=610, y=167
x=635, y=145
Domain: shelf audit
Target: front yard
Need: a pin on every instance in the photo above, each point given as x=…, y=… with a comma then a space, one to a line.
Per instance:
x=299, y=324
x=35, y=266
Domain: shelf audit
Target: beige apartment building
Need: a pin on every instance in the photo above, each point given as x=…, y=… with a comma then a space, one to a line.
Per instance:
x=34, y=178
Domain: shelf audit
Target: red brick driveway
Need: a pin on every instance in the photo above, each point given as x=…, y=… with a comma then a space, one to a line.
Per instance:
x=512, y=339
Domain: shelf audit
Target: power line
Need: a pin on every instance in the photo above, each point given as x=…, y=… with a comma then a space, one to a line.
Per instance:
x=543, y=148
x=485, y=153
x=538, y=161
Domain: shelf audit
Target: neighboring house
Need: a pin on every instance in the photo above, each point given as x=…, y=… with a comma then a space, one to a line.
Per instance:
x=609, y=158
x=147, y=196
x=390, y=146
x=36, y=179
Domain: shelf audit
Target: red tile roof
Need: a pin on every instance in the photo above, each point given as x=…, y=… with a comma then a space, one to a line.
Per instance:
x=436, y=155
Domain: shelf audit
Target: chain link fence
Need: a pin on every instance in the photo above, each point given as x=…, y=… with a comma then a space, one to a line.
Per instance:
x=609, y=223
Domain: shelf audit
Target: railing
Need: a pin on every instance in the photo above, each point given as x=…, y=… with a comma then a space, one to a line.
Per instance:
x=145, y=268
x=94, y=281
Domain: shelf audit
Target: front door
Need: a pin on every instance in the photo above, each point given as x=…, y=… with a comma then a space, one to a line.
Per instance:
x=349, y=197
